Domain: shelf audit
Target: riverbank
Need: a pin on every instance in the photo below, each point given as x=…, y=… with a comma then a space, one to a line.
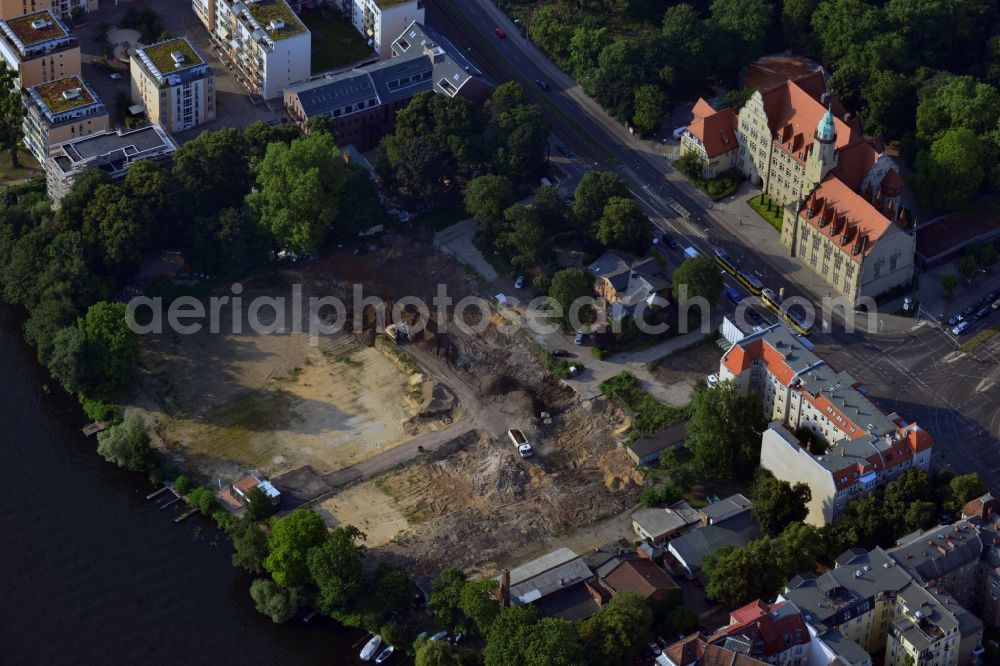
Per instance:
x=95, y=573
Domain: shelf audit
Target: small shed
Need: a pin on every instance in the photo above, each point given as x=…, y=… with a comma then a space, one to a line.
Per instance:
x=646, y=450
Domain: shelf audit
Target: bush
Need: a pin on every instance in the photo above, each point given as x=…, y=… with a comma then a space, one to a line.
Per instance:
x=97, y=410
x=126, y=444
x=202, y=499
x=648, y=414
x=277, y=603
x=182, y=485
x=653, y=497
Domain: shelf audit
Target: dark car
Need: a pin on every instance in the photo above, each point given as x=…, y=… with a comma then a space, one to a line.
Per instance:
x=544, y=85
x=990, y=297
x=501, y=33
x=754, y=317
x=560, y=353
x=671, y=243
x=954, y=319
x=969, y=311
x=982, y=312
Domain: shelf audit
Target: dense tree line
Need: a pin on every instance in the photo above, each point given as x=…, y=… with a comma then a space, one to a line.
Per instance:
x=913, y=501
x=926, y=73
x=229, y=198
x=440, y=143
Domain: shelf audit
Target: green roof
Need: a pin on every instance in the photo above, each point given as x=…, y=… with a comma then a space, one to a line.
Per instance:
x=162, y=55
x=266, y=11
x=52, y=94
x=29, y=35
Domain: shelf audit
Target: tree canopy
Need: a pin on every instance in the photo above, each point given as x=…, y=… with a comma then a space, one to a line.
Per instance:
x=777, y=503
x=724, y=431
x=291, y=538
x=701, y=279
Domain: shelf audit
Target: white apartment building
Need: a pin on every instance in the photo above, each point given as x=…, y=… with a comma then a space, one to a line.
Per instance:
x=174, y=84
x=264, y=39
x=866, y=448
x=382, y=21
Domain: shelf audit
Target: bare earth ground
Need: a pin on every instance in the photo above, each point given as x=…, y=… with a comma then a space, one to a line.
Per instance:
x=222, y=403
x=683, y=368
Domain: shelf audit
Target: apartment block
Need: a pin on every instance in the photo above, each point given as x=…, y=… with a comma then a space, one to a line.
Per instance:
x=39, y=48
x=869, y=605
x=771, y=633
x=381, y=21
x=840, y=193
x=174, y=84
x=112, y=152
x=61, y=111
x=61, y=8
x=800, y=393
x=264, y=40
x=363, y=102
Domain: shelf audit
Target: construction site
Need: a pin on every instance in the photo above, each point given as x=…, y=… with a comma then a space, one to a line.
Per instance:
x=405, y=439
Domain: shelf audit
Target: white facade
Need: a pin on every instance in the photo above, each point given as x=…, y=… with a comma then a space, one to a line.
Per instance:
x=382, y=21
x=268, y=58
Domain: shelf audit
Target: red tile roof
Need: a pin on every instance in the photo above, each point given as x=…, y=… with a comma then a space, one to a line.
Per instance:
x=839, y=212
x=640, y=576
x=765, y=628
x=715, y=129
x=246, y=483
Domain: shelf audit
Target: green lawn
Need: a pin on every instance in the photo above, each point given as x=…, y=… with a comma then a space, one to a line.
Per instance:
x=335, y=42
x=772, y=217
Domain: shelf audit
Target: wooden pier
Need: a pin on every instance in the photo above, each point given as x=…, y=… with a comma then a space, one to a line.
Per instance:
x=93, y=428
x=184, y=515
x=156, y=493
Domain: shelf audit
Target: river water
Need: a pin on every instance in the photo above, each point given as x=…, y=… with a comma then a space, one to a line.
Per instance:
x=93, y=573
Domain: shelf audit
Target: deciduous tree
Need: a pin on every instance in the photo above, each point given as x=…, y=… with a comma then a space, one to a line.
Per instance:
x=291, y=538
x=125, y=444
x=618, y=633
x=623, y=225
x=486, y=199
x=275, y=602
x=336, y=566
x=596, y=188
x=777, y=503
x=700, y=278
x=567, y=286
x=724, y=431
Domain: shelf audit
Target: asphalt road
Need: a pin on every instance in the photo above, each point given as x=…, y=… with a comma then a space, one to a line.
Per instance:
x=914, y=372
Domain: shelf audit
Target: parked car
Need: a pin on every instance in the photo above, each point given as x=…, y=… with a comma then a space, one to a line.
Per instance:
x=733, y=295
x=519, y=282
x=990, y=297
x=501, y=33
x=958, y=330
x=671, y=243
x=580, y=336
x=954, y=319
x=968, y=312
x=116, y=76
x=544, y=85
x=996, y=304
x=655, y=648
x=560, y=353
x=754, y=317
x=982, y=312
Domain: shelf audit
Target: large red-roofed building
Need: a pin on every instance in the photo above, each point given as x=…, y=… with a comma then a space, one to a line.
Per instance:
x=865, y=447
x=841, y=194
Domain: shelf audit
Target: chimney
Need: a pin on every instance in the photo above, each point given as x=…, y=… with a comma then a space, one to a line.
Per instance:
x=505, y=588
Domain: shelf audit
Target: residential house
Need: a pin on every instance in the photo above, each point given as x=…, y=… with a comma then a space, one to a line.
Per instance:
x=174, y=84
x=627, y=284
x=381, y=21
x=39, y=48
x=712, y=137
x=635, y=574
x=658, y=526
x=61, y=8
x=843, y=215
x=730, y=525
x=250, y=480
x=772, y=633
x=112, y=152
x=646, y=450
x=266, y=42
x=869, y=604
x=696, y=651
x=363, y=103
x=60, y=111
x=800, y=392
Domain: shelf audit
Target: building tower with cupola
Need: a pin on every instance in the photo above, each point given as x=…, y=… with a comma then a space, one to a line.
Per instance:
x=823, y=152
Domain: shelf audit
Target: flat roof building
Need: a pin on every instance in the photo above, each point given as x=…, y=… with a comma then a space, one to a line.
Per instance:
x=61, y=111
x=112, y=152
x=363, y=102
x=174, y=84
x=660, y=525
x=690, y=549
x=266, y=42
x=39, y=48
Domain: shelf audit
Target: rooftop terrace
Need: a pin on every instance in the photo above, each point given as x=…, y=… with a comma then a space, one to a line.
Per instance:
x=276, y=17
x=65, y=94
x=162, y=55
x=36, y=28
